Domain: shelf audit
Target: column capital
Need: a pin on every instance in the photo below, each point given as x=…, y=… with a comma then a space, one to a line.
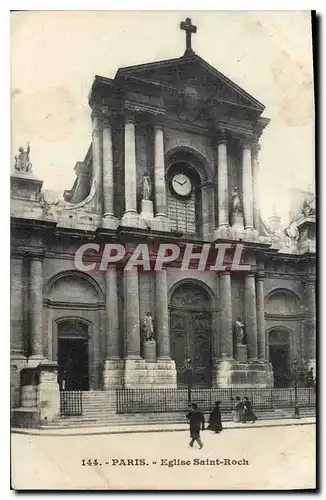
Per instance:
x=221, y=136
x=245, y=141
x=255, y=148
x=224, y=273
x=37, y=255
x=157, y=123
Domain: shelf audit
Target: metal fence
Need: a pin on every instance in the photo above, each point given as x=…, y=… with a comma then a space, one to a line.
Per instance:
x=131, y=401
x=71, y=403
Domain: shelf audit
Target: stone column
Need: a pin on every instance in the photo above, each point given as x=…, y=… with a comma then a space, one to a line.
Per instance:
x=310, y=330
x=113, y=364
x=159, y=172
x=131, y=306
x=162, y=315
x=130, y=166
x=250, y=316
x=17, y=307
x=225, y=317
x=222, y=183
x=112, y=314
x=108, y=182
x=260, y=316
x=247, y=185
x=97, y=158
x=36, y=306
x=255, y=185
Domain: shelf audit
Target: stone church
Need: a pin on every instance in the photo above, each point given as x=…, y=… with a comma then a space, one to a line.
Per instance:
x=174, y=158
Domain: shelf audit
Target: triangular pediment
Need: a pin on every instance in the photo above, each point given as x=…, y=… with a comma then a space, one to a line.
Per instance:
x=192, y=71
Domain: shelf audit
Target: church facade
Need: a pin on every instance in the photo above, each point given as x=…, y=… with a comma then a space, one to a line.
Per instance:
x=174, y=160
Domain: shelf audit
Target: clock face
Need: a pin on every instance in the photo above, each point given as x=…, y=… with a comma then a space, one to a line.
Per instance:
x=181, y=184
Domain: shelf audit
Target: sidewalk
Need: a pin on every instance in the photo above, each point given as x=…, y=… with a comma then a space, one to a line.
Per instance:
x=157, y=428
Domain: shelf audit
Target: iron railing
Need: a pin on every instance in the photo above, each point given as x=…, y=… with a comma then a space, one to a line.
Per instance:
x=71, y=403
x=176, y=400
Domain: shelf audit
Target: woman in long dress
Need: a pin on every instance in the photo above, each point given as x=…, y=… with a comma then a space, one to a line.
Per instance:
x=248, y=413
x=215, y=420
x=238, y=410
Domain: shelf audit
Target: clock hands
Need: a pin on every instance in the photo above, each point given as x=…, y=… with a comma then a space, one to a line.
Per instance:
x=180, y=183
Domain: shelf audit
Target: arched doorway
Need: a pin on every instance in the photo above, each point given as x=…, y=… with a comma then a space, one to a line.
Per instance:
x=191, y=333
x=73, y=354
x=279, y=356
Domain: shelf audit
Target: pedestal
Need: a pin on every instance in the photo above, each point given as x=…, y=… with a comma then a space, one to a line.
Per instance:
x=48, y=394
x=113, y=374
x=145, y=374
x=237, y=374
x=150, y=350
x=146, y=209
x=237, y=220
x=241, y=353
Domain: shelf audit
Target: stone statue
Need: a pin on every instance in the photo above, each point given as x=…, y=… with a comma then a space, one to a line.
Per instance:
x=236, y=203
x=309, y=207
x=148, y=329
x=147, y=187
x=239, y=331
x=22, y=162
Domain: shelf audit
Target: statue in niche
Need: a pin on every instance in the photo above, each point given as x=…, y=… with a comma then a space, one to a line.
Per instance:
x=22, y=162
x=148, y=328
x=239, y=331
x=146, y=187
x=236, y=203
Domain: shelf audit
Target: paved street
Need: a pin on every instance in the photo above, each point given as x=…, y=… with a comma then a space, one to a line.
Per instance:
x=275, y=457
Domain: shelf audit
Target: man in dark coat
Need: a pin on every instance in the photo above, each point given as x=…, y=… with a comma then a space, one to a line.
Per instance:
x=196, y=421
x=215, y=421
x=248, y=413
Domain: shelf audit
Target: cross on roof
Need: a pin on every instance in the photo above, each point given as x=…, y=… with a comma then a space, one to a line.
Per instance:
x=189, y=29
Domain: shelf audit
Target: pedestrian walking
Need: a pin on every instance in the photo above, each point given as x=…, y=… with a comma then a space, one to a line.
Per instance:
x=197, y=422
x=215, y=420
x=248, y=413
x=238, y=410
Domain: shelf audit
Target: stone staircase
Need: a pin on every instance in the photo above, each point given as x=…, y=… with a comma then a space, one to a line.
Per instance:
x=99, y=410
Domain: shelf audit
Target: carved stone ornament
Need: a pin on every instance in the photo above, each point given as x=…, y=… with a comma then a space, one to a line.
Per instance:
x=188, y=104
x=48, y=198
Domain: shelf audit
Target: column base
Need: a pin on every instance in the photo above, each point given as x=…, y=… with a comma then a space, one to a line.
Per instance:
x=250, y=234
x=113, y=374
x=35, y=360
x=161, y=223
x=109, y=221
x=147, y=374
x=131, y=219
x=231, y=373
x=223, y=233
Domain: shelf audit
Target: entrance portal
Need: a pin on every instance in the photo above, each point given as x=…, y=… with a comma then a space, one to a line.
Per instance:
x=279, y=357
x=190, y=333
x=73, y=355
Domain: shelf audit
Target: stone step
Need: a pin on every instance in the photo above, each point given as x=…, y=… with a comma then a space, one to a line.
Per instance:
x=125, y=420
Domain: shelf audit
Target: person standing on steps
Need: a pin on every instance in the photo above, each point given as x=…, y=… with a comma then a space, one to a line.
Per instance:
x=197, y=422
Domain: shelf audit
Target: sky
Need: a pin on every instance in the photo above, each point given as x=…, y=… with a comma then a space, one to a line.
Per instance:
x=56, y=54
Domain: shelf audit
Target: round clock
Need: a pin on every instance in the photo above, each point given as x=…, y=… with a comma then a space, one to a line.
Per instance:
x=181, y=185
